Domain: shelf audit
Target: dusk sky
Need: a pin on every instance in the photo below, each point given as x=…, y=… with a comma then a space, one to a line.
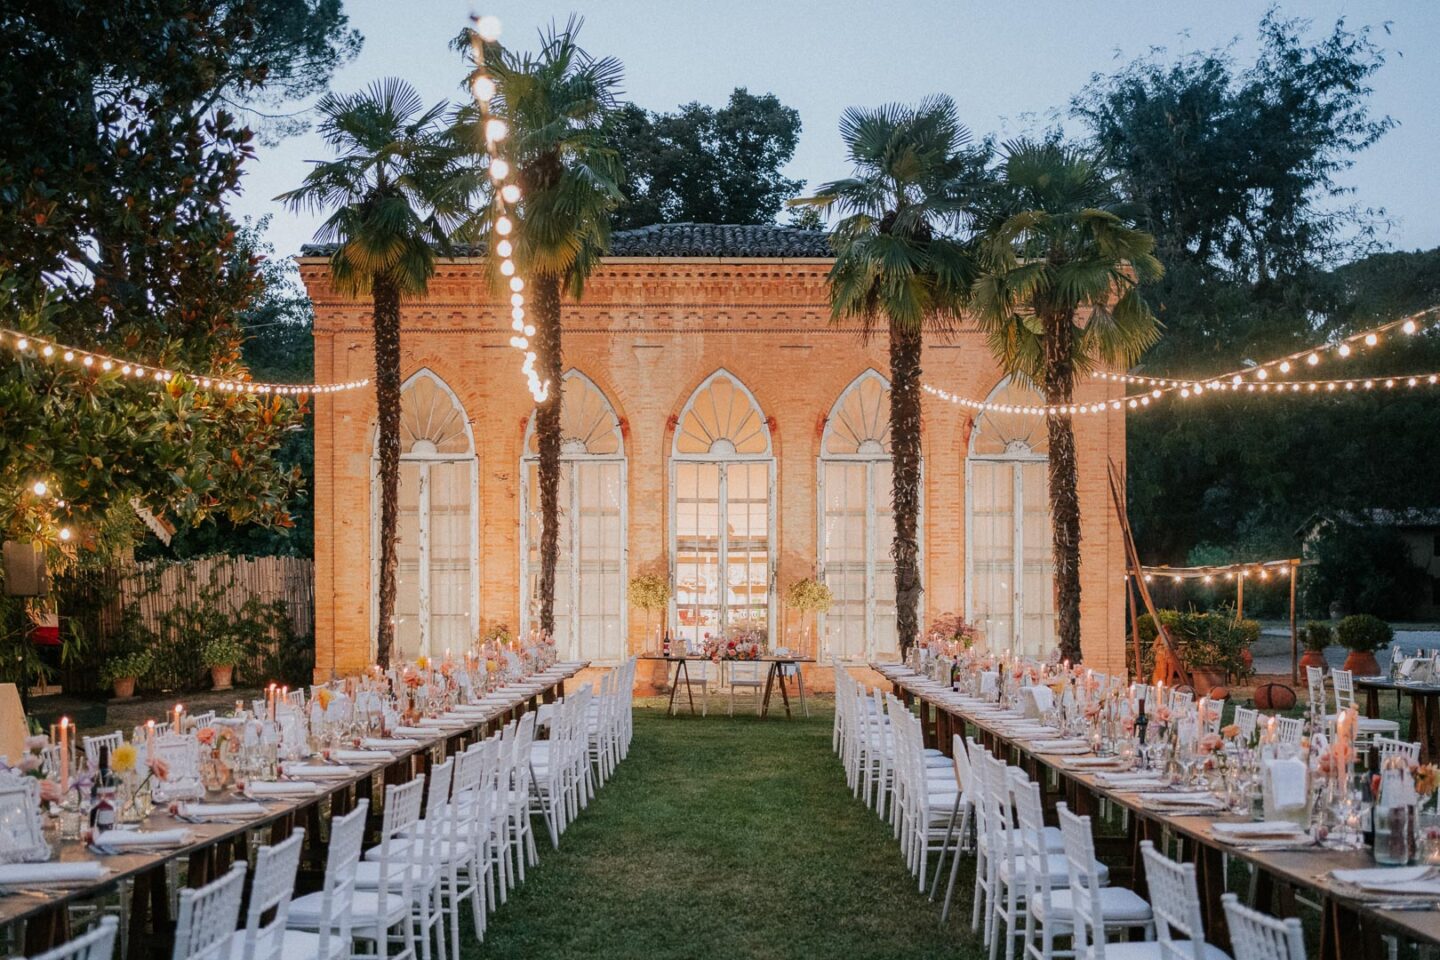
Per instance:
x=1008, y=66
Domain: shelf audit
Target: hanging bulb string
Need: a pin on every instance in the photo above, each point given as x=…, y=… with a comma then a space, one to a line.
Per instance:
x=97, y=363
x=504, y=198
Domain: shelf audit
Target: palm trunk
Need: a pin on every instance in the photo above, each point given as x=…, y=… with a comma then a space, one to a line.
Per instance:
x=547, y=435
x=387, y=401
x=1059, y=389
x=905, y=347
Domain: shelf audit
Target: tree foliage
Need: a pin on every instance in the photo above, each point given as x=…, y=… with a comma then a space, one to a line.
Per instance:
x=701, y=164
x=118, y=162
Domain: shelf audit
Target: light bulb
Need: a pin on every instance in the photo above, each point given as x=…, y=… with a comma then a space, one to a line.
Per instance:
x=1408, y=326
x=504, y=248
x=1284, y=366
x=21, y=344
x=1371, y=339
x=518, y=314
x=39, y=488
x=517, y=284
x=1261, y=374
x=495, y=129
x=516, y=300
x=64, y=533
x=48, y=350
x=1344, y=350
x=507, y=268
x=483, y=87
x=106, y=365
x=510, y=192
x=529, y=330
x=518, y=325
x=488, y=27
x=1313, y=359
x=88, y=361
x=499, y=169
x=503, y=226
x=69, y=354
x=519, y=343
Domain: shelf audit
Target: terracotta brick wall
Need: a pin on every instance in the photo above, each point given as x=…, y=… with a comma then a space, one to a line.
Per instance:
x=647, y=333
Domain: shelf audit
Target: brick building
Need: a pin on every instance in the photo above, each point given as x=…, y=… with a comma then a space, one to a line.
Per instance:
x=718, y=430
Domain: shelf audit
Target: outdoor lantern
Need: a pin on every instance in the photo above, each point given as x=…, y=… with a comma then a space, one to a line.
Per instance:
x=25, y=574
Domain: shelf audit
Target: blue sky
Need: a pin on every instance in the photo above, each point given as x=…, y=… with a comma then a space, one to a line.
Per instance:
x=1008, y=65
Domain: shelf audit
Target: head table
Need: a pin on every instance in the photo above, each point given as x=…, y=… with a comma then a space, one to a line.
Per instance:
x=1351, y=922
x=776, y=672
x=213, y=846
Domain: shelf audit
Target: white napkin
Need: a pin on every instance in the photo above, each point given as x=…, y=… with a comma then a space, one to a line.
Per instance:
x=13, y=873
x=1132, y=781
x=135, y=840
x=1062, y=749
x=1038, y=700
x=1267, y=829
x=281, y=788
x=388, y=743
x=1197, y=799
x=446, y=723
x=1045, y=746
x=1285, y=782
x=989, y=681
x=1381, y=877
x=416, y=731
x=318, y=771
x=201, y=811
x=1102, y=762
x=361, y=756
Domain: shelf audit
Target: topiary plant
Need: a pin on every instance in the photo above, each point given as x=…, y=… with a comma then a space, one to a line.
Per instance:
x=1316, y=635
x=134, y=664
x=1363, y=633
x=222, y=652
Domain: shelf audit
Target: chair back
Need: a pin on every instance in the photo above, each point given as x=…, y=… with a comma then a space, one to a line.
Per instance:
x=1175, y=899
x=208, y=916
x=1030, y=819
x=107, y=740
x=270, y=894
x=97, y=943
x=402, y=814
x=1256, y=936
x=1344, y=683
x=1290, y=730
x=347, y=839
x=1245, y=718
x=22, y=833
x=1085, y=897
x=1390, y=747
x=1315, y=685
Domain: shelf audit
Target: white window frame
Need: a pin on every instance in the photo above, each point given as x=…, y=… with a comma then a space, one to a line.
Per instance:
x=870, y=460
x=425, y=460
x=568, y=463
x=723, y=498
x=1015, y=459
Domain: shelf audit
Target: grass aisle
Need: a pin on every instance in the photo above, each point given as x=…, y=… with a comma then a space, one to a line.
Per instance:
x=728, y=839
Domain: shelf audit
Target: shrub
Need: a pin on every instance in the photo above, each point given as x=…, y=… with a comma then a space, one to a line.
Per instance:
x=135, y=663
x=1316, y=635
x=1213, y=639
x=1364, y=569
x=223, y=651
x=1363, y=633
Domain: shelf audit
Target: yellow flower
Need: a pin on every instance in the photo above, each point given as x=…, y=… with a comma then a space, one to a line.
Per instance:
x=323, y=696
x=422, y=663
x=122, y=760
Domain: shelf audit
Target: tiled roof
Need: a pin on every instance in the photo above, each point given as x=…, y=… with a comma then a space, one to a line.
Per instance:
x=766, y=241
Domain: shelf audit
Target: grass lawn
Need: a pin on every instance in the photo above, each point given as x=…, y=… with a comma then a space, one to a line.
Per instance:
x=725, y=838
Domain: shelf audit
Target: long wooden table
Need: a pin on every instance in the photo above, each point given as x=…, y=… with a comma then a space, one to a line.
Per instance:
x=1424, y=710
x=774, y=677
x=214, y=846
x=1351, y=922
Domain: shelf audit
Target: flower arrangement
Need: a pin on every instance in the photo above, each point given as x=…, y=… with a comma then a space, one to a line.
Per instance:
x=950, y=634
x=745, y=642
x=808, y=594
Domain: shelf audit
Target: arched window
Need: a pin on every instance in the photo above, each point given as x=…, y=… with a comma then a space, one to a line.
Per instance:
x=722, y=541
x=590, y=581
x=1009, y=582
x=437, y=581
x=856, y=523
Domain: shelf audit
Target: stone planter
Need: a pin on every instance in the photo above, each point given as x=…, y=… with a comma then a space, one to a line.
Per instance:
x=1362, y=663
x=1205, y=679
x=1312, y=658
x=220, y=677
x=124, y=687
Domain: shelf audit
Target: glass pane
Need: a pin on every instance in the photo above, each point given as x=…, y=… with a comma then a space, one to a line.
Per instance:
x=600, y=552
x=697, y=549
x=430, y=420
x=1037, y=596
x=992, y=550
x=721, y=418
x=748, y=557
x=998, y=432
x=881, y=487
x=407, y=572
x=451, y=620
x=845, y=552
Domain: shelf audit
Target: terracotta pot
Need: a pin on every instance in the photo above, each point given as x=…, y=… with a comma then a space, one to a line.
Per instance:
x=220, y=676
x=1312, y=658
x=1274, y=696
x=1205, y=679
x=124, y=687
x=1362, y=663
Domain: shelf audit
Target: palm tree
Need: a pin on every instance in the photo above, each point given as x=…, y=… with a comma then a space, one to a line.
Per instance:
x=1058, y=295
x=913, y=178
x=395, y=190
x=554, y=103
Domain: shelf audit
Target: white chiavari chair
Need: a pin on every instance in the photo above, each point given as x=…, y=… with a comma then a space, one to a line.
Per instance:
x=1344, y=683
x=207, y=917
x=319, y=924
x=1255, y=936
x=1048, y=904
x=383, y=912
x=1244, y=719
x=744, y=675
x=1175, y=898
x=92, y=745
x=1289, y=730
x=1391, y=747
x=957, y=830
x=98, y=943
x=1088, y=901
x=416, y=849
x=270, y=891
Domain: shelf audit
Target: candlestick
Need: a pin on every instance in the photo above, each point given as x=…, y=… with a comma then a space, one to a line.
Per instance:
x=64, y=754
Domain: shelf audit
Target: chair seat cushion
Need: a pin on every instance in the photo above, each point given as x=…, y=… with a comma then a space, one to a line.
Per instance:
x=1118, y=905
x=304, y=945
x=307, y=912
x=441, y=851
x=1151, y=951
x=1054, y=865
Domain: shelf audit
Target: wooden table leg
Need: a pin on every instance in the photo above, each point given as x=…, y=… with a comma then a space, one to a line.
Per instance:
x=689, y=690
x=784, y=691
x=1372, y=703
x=769, y=687
x=674, y=688
x=47, y=930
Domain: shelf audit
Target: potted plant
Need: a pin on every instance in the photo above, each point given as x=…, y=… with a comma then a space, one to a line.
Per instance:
x=1213, y=645
x=808, y=596
x=1362, y=634
x=220, y=655
x=1316, y=635
x=122, y=671
x=649, y=592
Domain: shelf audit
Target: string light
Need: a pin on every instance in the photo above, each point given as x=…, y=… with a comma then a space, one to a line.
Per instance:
x=506, y=195
x=1244, y=571
x=28, y=344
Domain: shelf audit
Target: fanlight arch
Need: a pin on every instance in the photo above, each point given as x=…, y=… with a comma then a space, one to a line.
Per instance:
x=856, y=523
x=437, y=545
x=1009, y=582
x=591, y=613
x=722, y=509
